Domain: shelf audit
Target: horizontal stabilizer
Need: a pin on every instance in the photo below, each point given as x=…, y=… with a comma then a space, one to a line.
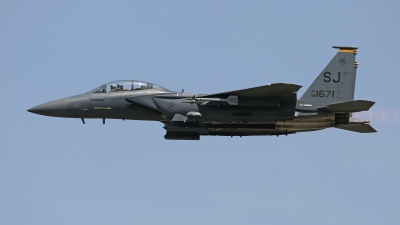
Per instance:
x=360, y=128
x=262, y=91
x=351, y=106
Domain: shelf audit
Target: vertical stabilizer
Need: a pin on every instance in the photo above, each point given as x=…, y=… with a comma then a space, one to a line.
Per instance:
x=337, y=81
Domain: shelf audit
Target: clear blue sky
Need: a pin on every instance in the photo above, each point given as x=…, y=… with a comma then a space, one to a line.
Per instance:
x=59, y=171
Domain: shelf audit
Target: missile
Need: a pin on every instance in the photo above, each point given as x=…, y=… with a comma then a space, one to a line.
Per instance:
x=231, y=100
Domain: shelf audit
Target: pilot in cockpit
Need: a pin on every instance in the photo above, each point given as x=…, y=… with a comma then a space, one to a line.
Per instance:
x=127, y=85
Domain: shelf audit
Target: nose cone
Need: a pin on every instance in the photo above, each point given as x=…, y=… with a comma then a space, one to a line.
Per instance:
x=57, y=108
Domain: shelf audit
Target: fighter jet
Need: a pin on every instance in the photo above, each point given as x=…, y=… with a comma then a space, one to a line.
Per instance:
x=271, y=109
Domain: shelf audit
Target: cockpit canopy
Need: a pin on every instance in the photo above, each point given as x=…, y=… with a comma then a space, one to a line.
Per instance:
x=126, y=85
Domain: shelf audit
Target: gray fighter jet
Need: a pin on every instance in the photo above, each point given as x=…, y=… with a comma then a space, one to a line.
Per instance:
x=271, y=109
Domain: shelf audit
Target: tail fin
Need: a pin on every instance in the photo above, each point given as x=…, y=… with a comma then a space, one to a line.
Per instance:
x=337, y=81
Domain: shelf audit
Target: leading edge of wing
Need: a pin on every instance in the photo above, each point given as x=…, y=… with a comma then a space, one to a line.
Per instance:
x=262, y=91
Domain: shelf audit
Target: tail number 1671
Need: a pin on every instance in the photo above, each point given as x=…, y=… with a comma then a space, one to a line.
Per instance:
x=322, y=94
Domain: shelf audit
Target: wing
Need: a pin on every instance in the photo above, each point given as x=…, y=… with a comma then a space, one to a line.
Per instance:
x=270, y=90
x=351, y=106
